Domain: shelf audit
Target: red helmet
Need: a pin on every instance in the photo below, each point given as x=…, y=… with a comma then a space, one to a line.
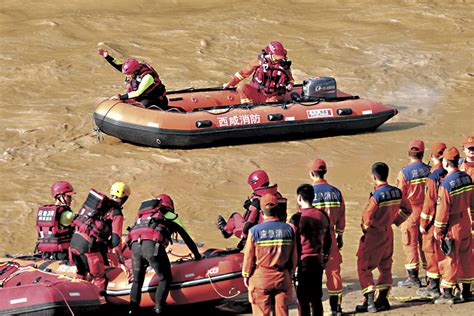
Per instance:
x=61, y=187
x=130, y=66
x=166, y=201
x=258, y=179
x=275, y=48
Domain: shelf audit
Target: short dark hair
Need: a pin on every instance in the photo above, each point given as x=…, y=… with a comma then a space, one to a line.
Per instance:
x=307, y=192
x=319, y=173
x=452, y=163
x=380, y=171
x=416, y=155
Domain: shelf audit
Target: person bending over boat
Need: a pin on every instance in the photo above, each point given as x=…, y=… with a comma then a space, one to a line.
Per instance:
x=271, y=79
x=53, y=223
x=143, y=82
x=148, y=238
x=239, y=225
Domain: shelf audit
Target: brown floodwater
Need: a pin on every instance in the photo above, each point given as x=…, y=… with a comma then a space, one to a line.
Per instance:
x=416, y=55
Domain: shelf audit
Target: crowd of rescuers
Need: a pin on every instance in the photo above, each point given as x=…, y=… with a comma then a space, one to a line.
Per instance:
x=437, y=200
x=271, y=79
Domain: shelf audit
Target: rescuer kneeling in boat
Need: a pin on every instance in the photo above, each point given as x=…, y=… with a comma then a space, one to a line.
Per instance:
x=272, y=77
x=53, y=223
x=148, y=238
x=270, y=256
x=143, y=82
x=239, y=225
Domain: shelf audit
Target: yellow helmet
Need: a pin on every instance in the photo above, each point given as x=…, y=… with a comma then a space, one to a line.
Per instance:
x=120, y=190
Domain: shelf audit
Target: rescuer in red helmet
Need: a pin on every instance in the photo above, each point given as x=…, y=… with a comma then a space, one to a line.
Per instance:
x=148, y=238
x=143, y=82
x=272, y=77
x=53, y=223
x=239, y=225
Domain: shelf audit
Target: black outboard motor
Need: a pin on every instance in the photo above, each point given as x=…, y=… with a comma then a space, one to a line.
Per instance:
x=319, y=88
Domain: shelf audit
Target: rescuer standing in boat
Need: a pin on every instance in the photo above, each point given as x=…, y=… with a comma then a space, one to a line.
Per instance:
x=329, y=199
x=53, y=223
x=387, y=206
x=411, y=180
x=270, y=256
x=148, y=238
x=453, y=229
x=143, y=82
x=431, y=247
x=119, y=193
x=239, y=225
x=272, y=77
x=313, y=244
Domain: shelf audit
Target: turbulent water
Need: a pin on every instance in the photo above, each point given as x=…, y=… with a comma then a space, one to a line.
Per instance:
x=416, y=55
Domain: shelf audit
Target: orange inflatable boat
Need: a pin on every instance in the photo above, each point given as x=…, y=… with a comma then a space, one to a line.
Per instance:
x=25, y=290
x=207, y=117
x=215, y=277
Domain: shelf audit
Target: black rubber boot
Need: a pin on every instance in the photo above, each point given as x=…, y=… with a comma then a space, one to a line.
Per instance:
x=335, y=303
x=446, y=298
x=466, y=293
x=412, y=280
x=368, y=305
x=220, y=222
x=133, y=309
x=432, y=290
x=382, y=302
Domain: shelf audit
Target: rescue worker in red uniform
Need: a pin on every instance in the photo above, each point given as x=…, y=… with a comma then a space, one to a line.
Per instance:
x=148, y=238
x=53, y=223
x=272, y=77
x=239, y=225
x=411, y=180
x=91, y=232
x=467, y=164
x=270, y=256
x=453, y=228
x=143, y=82
x=119, y=193
x=314, y=244
x=329, y=199
x=431, y=246
x=387, y=206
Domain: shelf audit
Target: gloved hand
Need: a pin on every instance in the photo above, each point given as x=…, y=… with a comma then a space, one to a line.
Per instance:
x=246, y=282
x=225, y=86
x=103, y=52
x=247, y=204
x=115, y=97
x=289, y=87
x=422, y=230
x=340, y=241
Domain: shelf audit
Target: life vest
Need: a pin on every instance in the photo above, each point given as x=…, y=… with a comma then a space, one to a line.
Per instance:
x=90, y=221
x=52, y=237
x=271, y=77
x=257, y=195
x=150, y=224
x=145, y=69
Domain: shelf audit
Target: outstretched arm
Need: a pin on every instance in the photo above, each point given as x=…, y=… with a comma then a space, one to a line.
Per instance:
x=188, y=240
x=116, y=63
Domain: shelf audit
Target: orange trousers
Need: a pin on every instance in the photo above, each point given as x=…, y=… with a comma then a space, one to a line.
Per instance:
x=375, y=252
x=270, y=291
x=333, y=270
x=411, y=240
x=458, y=266
x=433, y=255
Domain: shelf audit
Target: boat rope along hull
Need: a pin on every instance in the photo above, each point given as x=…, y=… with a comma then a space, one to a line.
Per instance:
x=212, y=117
x=159, y=137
